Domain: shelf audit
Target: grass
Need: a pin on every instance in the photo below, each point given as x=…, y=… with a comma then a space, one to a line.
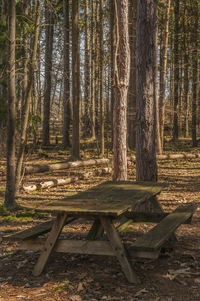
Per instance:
x=19, y=214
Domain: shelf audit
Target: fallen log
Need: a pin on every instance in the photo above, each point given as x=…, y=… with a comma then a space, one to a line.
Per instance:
x=59, y=182
x=65, y=165
x=48, y=184
x=97, y=162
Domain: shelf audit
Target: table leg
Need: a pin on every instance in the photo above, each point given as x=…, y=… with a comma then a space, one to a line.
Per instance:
x=96, y=231
x=158, y=208
x=118, y=249
x=50, y=243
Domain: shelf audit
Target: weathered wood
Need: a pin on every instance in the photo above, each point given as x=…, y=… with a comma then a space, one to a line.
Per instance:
x=72, y=246
x=96, y=230
x=35, y=231
x=106, y=199
x=50, y=183
x=50, y=243
x=156, y=237
x=65, y=165
x=85, y=247
x=148, y=217
x=119, y=249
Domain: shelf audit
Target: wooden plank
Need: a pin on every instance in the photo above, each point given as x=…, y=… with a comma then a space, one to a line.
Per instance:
x=148, y=217
x=37, y=230
x=50, y=243
x=118, y=249
x=156, y=237
x=71, y=246
x=85, y=247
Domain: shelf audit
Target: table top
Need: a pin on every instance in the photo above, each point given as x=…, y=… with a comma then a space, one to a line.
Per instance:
x=106, y=199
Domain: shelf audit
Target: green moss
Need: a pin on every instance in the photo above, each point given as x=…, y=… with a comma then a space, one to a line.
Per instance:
x=63, y=285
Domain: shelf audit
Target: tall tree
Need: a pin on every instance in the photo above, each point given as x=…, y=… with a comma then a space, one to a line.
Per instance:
x=176, y=68
x=132, y=83
x=92, y=103
x=10, y=180
x=86, y=117
x=66, y=93
x=164, y=71
x=75, y=80
x=195, y=72
x=146, y=167
x=28, y=95
x=101, y=79
x=49, y=18
x=121, y=81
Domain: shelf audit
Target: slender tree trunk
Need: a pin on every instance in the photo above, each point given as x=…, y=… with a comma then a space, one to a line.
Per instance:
x=164, y=72
x=195, y=74
x=146, y=167
x=101, y=38
x=10, y=180
x=28, y=94
x=121, y=81
x=112, y=42
x=66, y=93
x=75, y=80
x=155, y=63
x=87, y=99
x=92, y=105
x=186, y=73
x=25, y=60
x=176, y=69
x=49, y=16
x=132, y=83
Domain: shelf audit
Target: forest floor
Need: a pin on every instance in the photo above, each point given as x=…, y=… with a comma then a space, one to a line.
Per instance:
x=174, y=276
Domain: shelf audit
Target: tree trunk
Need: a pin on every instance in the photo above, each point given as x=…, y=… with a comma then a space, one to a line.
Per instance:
x=87, y=99
x=23, y=137
x=112, y=33
x=66, y=93
x=164, y=72
x=10, y=179
x=101, y=80
x=121, y=81
x=195, y=74
x=75, y=80
x=155, y=37
x=176, y=69
x=186, y=74
x=132, y=83
x=49, y=17
x=146, y=167
x=92, y=104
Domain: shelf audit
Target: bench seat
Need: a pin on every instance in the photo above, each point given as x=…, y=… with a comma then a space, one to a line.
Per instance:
x=154, y=239
x=33, y=232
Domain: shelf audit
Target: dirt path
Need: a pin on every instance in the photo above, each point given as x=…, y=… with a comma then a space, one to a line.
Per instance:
x=174, y=276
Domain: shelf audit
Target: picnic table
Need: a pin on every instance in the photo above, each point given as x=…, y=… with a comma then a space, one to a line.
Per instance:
x=106, y=204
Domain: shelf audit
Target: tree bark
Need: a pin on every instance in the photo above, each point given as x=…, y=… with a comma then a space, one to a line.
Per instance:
x=66, y=93
x=121, y=82
x=87, y=98
x=101, y=80
x=164, y=72
x=195, y=73
x=10, y=176
x=92, y=104
x=75, y=80
x=146, y=167
x=132, y=83
x=176, y=69
x=49, y=17
x=23, y=138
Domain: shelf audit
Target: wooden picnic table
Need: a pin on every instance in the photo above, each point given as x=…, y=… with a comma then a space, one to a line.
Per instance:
x=105, y=203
